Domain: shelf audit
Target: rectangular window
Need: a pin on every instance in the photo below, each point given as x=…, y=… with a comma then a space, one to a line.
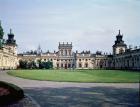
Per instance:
x=61, y=65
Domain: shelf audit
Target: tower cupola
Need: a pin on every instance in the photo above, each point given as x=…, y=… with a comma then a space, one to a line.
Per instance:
x=119, y=39
x=119, y=47
x=11, y=39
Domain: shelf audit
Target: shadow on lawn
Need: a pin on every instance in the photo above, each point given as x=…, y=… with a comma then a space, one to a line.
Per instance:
x=85, y=97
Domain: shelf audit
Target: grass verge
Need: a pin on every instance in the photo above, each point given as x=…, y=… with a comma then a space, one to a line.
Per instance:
x=97, y=76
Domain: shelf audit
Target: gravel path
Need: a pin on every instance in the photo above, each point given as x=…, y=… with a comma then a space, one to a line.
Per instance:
x=67, y=94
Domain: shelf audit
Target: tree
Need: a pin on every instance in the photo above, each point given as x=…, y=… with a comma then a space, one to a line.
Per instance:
x=1, y=31
x=35, y=65
x=45, y=65
x=50, y=64
x=41, y=64
x=1, y=43
x=31, y=65
x=23, y=64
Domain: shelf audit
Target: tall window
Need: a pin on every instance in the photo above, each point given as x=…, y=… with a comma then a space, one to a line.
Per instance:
x=57, y=65
x=69, y=65
x=69, y=52
x=61, y=65
x=121, y=51
x=86, y=65
x=66, y=52
x=61, y=52
x=80, y=65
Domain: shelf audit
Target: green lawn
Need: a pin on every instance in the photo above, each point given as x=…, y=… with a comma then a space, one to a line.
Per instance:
x=101, y=76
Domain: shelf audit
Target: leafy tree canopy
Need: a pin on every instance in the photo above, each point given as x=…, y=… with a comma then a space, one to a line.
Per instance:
x=1, y=31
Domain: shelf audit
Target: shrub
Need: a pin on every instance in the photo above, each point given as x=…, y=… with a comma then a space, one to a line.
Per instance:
x=35, y=65
x=14, y=93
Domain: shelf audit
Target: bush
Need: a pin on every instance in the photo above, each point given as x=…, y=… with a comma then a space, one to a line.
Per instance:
x=23, y=64
x=35, y=65
x=15, y=93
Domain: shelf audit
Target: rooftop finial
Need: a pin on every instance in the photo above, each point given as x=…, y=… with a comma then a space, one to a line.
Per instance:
x=10, y=31
x=119, y=31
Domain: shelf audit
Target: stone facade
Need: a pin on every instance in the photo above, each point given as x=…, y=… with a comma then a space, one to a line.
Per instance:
x=65, y=58
x=127, y=60
x=8, y=53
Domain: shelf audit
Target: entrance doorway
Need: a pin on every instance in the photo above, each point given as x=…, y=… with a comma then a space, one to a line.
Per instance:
x=66, y=66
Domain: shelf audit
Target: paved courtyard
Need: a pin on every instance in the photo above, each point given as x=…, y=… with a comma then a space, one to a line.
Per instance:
x=66, y=94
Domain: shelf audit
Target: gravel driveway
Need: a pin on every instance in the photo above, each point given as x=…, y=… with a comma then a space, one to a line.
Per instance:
x=66, y=94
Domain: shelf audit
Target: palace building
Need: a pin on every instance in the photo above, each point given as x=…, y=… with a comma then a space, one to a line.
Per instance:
x=66, y=58
x=122, y=57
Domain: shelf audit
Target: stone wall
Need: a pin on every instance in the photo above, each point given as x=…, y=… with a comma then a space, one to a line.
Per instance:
x=8, y=57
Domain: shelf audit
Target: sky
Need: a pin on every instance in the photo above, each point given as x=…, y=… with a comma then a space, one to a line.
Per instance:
x=88, y=24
